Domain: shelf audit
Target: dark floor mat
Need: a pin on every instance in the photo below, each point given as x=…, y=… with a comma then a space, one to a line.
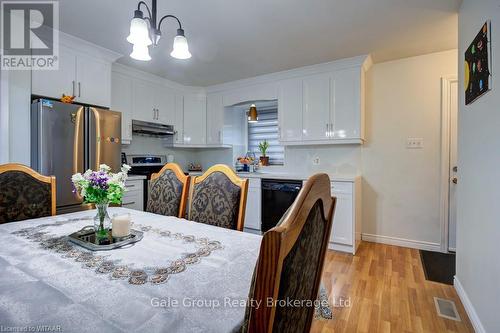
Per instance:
x=438, y=267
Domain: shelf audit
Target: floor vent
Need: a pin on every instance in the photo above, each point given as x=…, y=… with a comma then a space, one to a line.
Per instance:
x=446, y=309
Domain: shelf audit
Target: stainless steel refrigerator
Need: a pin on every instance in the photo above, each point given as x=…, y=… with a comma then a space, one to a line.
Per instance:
x=71, y=138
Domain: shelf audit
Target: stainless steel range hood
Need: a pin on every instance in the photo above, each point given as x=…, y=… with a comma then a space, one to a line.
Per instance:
x=152, y=129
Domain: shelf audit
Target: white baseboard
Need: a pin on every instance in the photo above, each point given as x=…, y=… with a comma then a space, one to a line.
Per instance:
x=414, y=244
x=341, y=247
x=469, y=308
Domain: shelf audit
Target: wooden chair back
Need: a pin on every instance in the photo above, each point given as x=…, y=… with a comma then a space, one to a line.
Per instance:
x=291, y=260
x=227, y=181
x=185, y=180
x=25, y=194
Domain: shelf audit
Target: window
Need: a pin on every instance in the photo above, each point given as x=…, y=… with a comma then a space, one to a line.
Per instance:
x=266, y=129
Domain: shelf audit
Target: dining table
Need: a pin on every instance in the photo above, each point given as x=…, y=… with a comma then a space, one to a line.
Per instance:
x=182, y=276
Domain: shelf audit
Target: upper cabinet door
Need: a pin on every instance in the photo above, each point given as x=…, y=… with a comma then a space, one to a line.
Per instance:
x=165, y=105
x=179, y=119
x=54, y=83
x=215, y=119
x=144, y=101
x=121, y=100
x=195, y=119
x=316, y=107
x=94, y=81
x=346, y=104
x=290, y=110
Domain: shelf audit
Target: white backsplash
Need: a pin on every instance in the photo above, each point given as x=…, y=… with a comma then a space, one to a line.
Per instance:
x=151, y=145
x=334, y=159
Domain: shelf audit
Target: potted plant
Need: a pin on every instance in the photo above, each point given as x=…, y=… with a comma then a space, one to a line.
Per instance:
x=263, y=146
x=101, y=188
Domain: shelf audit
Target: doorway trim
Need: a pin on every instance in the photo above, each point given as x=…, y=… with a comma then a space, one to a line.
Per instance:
x=446, y=82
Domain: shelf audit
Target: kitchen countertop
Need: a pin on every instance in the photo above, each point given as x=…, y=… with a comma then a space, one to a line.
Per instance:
x=285, y=175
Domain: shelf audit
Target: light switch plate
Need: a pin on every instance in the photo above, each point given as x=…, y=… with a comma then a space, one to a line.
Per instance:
x=415, y=143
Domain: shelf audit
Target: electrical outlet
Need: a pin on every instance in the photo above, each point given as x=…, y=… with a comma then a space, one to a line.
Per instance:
x=415, y=143
x=316, y=161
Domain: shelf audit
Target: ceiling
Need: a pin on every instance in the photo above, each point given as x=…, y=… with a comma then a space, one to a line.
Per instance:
x=236, y=39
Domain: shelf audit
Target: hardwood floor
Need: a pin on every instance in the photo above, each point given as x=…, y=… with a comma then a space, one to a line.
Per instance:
x=387, y=291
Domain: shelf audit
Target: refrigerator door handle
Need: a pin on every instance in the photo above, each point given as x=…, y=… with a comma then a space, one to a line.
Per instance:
x=73, y=88
x=79, y=89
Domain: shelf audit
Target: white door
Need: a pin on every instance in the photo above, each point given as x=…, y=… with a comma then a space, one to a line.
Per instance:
x=290, y=110
x=252, y=213
x=342, y=229
x=195, y=119
x=345, y=104
x=316, y=107
x=165, y=105
x=452, y=204
x=215, y=119
x=58, y=82
x=121, y=101
x=93, y=81
x=144, y=101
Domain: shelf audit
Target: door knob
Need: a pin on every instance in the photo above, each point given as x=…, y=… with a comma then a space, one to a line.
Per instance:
x=454, y=180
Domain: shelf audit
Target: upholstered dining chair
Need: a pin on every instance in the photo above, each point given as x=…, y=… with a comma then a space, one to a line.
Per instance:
x=219, y=198
x=168, y=191
x=291, y=261
x=25, y=194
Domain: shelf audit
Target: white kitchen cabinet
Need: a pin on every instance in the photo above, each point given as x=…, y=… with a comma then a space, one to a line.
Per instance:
x=345, y=95
x=346, y=230
x=253, y=209
x=121, y=100
x=290, y=110
x=144, y=101
x=195, y=118
x=179, y=120
x=93, y=81
x=133, y=197
x=215, y=119
x=83, y=76
x=55, y=83
x=316, y=107
x=165, y=105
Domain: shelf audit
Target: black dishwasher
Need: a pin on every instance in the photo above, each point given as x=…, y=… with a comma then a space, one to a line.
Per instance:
x=277, y=196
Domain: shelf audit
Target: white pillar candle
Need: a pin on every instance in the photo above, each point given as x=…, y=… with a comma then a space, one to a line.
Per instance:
x=120, y=225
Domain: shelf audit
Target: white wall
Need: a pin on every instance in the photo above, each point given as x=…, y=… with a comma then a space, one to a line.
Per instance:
x=401, y=186
x=478, y=229
x=15, y=117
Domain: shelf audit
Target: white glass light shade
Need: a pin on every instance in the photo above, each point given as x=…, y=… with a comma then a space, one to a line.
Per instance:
x=140, y=52
x=139, y=32
x=181, y=48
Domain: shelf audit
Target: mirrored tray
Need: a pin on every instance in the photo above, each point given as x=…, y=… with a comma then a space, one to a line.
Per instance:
x=85, y=237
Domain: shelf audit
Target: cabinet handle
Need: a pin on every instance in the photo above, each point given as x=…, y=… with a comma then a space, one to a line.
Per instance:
x=73, y=90
x=220, y=136
x=79, y=89
x=327, y=131
x=128, y=186
x=128, y=203
x=279, y=132
x=157, y=114
x=154, y=114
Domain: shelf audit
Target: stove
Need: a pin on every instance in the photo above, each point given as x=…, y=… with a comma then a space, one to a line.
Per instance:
x=145, y=165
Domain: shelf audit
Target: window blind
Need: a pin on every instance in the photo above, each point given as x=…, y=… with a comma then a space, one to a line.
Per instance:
x=266, y=129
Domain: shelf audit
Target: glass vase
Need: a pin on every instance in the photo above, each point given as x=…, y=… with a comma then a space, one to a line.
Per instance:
x=102, y=222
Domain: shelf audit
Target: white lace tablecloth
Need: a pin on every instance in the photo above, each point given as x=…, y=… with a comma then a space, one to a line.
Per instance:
x=40, y=286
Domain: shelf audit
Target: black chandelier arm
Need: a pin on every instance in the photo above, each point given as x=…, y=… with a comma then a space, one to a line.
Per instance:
x=169, y=16
x=147, y=7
